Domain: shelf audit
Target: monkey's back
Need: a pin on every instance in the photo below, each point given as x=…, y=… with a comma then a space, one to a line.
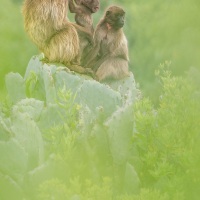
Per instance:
x=37, y=21
x=47, y=25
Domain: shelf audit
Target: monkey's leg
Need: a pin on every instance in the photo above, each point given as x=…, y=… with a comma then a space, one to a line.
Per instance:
x=100, y=61
x=81, y=70
x=113, y=68
x=83, y=46
x=63, y=46
x=91, y=57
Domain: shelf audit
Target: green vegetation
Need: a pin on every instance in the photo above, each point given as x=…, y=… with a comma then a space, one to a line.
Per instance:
x=65, y=136
x=95, y=141
x=163, y=31
x=15, y=47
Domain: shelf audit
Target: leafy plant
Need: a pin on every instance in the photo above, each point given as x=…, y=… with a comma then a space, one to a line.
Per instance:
x=56, y=143
x=164, y=137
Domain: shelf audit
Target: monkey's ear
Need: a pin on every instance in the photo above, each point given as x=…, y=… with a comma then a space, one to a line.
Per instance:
x=108, y=12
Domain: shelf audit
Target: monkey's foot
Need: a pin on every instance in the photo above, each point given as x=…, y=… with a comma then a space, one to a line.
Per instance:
x=62, y=68
x=79, y=69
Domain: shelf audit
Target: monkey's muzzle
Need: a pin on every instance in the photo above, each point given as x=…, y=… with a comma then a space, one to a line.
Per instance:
x=120, y=24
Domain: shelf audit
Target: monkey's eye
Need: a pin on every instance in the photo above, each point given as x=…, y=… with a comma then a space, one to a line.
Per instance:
x=119, y=16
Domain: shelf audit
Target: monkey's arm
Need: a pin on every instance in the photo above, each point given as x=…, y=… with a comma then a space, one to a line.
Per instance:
x=92, y=56
x=84, y=32
x=74, y=7
x=113, y=52
x=124, y=50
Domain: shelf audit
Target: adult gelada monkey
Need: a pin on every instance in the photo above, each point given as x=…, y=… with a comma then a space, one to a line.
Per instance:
x=48, y=27
x=83, y=10
x=109, y=57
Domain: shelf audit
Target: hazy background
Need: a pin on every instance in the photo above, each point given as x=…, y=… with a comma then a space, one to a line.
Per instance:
x=156, y=30
x=160, y=140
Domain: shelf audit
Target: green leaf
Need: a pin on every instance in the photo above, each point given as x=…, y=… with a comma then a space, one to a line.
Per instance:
x=120, y=130
x=29, y=136
x=9, y=189
x=94, y=94
x=13, y=159
x=52, y=115
x=32, y=107
x=5, y=131
x=52, y=168
x=49, y=84
x=15, y=87
x=131, y=179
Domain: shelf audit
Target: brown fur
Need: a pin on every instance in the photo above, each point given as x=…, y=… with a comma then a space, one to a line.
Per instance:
x=48, y=27
x=83, y=10
x=109, y=57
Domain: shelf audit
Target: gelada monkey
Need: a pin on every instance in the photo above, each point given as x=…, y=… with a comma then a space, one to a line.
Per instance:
x=83, y=10
x=48, y=27
x=109, y=57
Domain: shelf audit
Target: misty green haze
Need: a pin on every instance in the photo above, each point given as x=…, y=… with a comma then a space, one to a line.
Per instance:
x=141, y=148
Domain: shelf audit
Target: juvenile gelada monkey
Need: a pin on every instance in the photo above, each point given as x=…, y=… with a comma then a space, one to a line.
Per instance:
x=83, y=10
x=109, y=57
x=48, y=27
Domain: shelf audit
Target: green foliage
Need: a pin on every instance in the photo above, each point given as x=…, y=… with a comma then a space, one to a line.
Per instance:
x=146, y=194
x=65, y=136
x=62, y=145
x=158, y=31
x=58, y=190
x=166, y=36
x=68, y=132
x=166, y=138
x=16, y=47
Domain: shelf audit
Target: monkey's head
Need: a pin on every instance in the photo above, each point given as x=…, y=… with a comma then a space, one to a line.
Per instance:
x=114, y=16
x=92, y=5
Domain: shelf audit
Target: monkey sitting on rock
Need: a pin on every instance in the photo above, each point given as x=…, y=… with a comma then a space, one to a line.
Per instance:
x=83, y=10
x=109, y=56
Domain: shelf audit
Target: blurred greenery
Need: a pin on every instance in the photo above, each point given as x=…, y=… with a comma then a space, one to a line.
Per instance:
x=15, y=47
x=54, y=145
x=163, y=152
x=159, y=31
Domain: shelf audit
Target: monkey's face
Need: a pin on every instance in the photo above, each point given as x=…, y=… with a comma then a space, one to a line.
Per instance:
x=92, y=5
x=115, y=17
